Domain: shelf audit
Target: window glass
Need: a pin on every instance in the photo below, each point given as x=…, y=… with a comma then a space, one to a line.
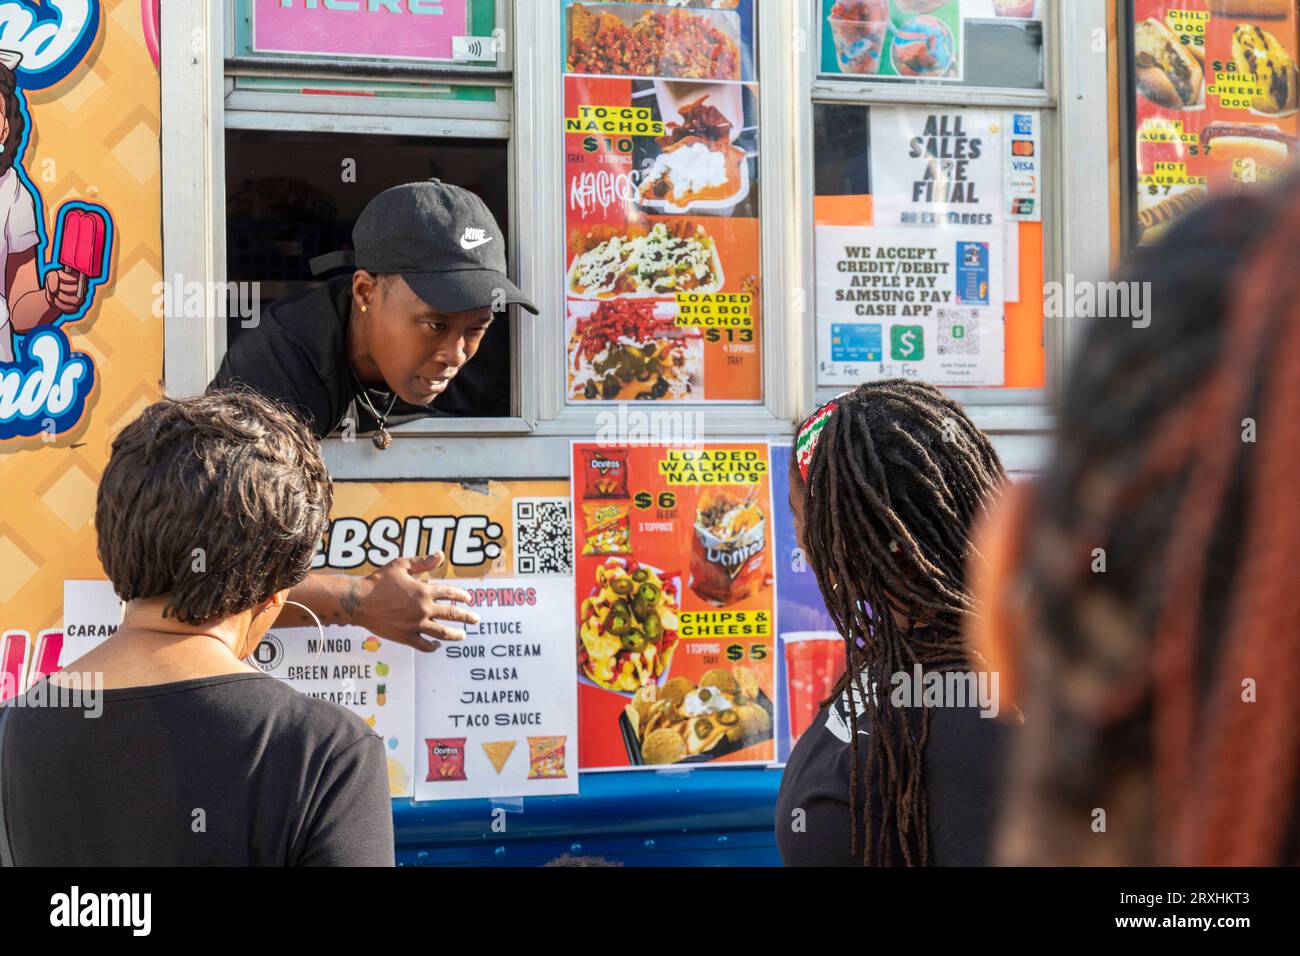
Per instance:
x=929, y=245
x=957, y=42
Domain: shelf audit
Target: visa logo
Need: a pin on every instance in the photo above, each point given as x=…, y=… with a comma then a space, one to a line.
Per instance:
x=1024, y=166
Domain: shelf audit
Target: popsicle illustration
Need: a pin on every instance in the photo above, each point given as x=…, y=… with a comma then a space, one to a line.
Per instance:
x=13, y=655
x=82, y=247
x=49, y=645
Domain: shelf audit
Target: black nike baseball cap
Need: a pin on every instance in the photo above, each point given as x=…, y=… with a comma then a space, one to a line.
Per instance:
x=441, y=239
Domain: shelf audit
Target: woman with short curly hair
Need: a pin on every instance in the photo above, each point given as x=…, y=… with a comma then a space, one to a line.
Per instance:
x=209, y=512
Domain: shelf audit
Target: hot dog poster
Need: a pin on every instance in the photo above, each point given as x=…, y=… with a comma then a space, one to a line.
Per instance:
x=661, y=167
x=1216, y=92
x=675, y=601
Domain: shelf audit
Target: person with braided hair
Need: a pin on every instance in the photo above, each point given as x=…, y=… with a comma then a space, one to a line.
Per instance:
x=1139, y=600
x=886, y=483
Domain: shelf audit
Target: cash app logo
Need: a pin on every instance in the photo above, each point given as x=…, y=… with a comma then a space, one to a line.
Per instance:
x=907, y=343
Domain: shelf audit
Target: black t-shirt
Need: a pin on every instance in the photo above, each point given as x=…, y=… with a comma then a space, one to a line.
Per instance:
x=962, y=768
x=235, y=770
x=298, y=354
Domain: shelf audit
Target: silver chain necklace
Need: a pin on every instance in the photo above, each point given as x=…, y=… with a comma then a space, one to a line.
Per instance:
x=381, y=438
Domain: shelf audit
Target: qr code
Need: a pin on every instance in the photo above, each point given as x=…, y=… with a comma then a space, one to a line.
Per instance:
x=959, y=331
x=543, y=536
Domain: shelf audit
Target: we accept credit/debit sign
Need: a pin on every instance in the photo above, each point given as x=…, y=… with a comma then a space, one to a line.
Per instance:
x=393, y=29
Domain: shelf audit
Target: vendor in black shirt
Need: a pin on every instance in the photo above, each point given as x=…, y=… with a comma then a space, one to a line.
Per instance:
x=386, y=343
x=430, y=278
x=884, y=485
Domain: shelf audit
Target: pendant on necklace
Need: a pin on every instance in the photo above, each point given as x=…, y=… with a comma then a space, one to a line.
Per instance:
x=381, y=438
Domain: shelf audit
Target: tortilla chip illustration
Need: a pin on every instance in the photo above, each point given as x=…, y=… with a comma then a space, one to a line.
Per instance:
x=499, y=752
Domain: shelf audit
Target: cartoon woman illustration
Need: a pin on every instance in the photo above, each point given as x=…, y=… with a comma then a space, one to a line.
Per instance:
x=27, y=302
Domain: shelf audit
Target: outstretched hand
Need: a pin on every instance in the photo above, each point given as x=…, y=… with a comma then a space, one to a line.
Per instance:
x=398, y=606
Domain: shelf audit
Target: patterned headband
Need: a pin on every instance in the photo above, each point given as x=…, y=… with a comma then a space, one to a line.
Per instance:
x=805, y=442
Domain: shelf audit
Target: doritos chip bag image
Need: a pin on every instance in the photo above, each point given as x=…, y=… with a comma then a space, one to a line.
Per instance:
x=605, y=474
x=446, y=758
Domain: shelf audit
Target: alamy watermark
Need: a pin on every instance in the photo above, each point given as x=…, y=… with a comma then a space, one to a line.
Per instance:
x=1098, y=300
x=84, y=691
x=637, y=426
x=949, y=689
x=194, y=299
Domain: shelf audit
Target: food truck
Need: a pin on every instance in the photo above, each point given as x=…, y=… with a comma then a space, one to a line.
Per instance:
x=728, y=211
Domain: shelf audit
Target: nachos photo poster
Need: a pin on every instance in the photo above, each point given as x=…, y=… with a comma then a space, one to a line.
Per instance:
x=662, y=255
x=675, y=599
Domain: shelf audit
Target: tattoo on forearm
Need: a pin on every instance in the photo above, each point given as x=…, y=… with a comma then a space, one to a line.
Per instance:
x=351, y=600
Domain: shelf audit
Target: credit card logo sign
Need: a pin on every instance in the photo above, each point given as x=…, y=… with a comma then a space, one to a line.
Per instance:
x=1024, y=124
x=1022, y=147
x=907, y=343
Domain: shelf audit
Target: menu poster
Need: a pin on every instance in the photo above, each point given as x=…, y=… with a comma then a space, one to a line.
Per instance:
x=661, y=39
x=352, y=668
x=497, y=713
x=92, y=613
x=936, y=167
x=1216, y=96
x=896, y=301
x=810, y=652
x=893, y=39
x=662, y=241
x=676, y=599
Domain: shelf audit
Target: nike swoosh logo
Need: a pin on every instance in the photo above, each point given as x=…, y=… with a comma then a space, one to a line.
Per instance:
x=474, y=243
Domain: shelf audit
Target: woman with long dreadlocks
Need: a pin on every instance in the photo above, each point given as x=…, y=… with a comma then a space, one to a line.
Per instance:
x=1142, y=595
x=885, y=484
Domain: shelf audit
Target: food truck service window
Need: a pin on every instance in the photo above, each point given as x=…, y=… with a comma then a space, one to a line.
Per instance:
x=729, y=211
x=646, y=201
x=937, y=197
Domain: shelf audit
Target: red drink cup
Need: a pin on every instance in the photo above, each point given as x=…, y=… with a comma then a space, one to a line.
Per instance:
x=814, y=661
x=859, y=44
